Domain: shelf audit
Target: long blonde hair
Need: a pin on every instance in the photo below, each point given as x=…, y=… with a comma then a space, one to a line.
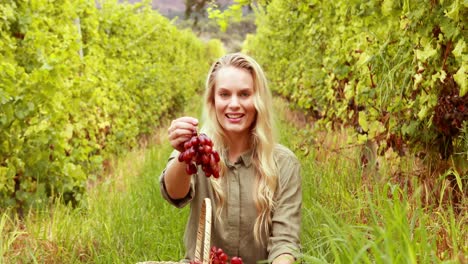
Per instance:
x=262, y=138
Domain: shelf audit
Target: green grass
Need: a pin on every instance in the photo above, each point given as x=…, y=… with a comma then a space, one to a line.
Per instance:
x=125, y=221
x=347, y=218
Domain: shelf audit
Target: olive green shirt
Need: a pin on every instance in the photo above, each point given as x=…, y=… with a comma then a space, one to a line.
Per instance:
x=234, y=234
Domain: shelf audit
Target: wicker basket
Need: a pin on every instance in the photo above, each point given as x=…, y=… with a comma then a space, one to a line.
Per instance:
x=203, y=237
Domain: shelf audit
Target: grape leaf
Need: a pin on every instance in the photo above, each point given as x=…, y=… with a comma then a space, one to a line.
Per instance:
x=459, y=48
x=453, y=11
x=460, y=79
x=425, y=54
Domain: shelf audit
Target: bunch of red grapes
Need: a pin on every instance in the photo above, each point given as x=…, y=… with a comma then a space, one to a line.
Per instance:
x=217, y=256
x=199, y=151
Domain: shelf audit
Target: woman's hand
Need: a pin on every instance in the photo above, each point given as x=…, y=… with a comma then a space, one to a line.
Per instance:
x=176, y=179
x=180, y=130
x=284, y=259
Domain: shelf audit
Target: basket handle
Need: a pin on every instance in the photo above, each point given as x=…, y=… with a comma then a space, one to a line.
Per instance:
x=204, y=233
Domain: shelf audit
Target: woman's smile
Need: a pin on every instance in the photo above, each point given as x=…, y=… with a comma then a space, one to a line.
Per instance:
x=234, y=118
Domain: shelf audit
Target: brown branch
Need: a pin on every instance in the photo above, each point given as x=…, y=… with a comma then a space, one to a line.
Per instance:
x=448, y=48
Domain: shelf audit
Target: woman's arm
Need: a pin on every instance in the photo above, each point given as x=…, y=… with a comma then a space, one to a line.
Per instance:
x=284, y=259
x=176, y=179
x=286, y=219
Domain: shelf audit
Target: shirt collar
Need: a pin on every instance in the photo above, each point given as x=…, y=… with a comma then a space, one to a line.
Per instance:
x=245, y=159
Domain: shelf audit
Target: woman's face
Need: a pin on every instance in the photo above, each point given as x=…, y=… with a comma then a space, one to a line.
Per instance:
x=234, y=101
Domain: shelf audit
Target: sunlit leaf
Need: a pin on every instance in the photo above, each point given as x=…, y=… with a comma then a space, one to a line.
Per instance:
x=461, y=78
x=425, y=54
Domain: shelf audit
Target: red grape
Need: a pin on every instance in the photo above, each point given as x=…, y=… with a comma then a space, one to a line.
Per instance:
x=216, y=155
x=236, y=260
x=198, y=150
x=191, y=168
x=217, y=256
x=205, y=159
x=207, y=149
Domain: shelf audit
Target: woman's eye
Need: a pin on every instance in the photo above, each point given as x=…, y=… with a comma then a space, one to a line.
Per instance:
x=245, y=94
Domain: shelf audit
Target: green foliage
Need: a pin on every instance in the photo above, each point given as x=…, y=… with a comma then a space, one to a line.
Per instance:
x=394, y=70
x=79, y=84
x=126, y=220
x=233, y=13
x=232, y=38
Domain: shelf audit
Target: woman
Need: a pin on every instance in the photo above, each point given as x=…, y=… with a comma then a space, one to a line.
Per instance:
x=257, y=198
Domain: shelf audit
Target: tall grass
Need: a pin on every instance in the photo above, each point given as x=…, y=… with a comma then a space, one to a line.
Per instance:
x=348, y=216
x=355, y=216
x=125, y=221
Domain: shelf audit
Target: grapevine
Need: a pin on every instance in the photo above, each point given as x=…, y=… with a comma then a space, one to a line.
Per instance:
x=394, y=73
x=80, y=84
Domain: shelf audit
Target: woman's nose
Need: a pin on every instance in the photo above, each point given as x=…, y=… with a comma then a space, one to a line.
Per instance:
x=234, y=102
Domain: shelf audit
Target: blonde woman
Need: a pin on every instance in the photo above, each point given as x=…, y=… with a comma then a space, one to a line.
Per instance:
x=257, y=198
